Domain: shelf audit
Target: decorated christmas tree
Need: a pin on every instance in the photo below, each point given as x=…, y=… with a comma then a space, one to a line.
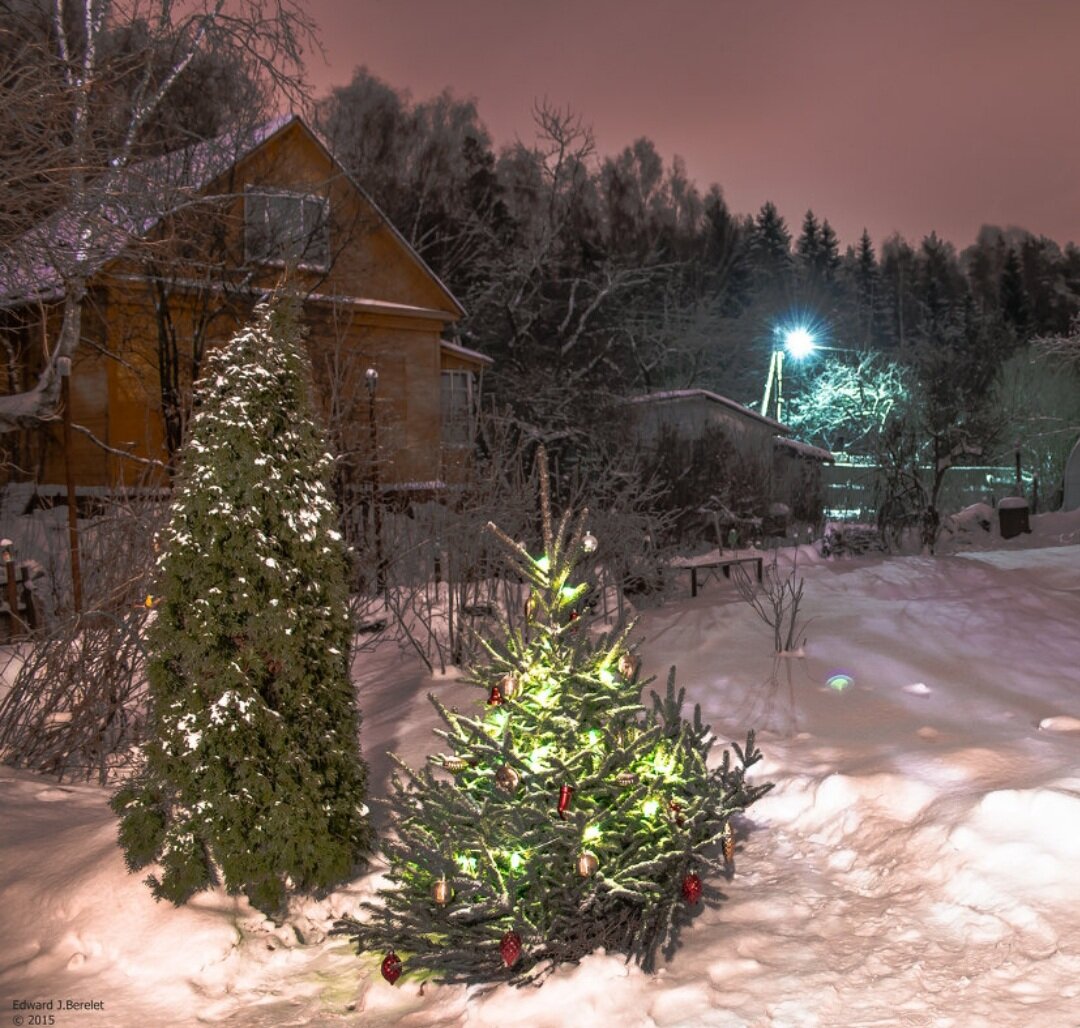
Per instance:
x=563, y=815
x=253, y=777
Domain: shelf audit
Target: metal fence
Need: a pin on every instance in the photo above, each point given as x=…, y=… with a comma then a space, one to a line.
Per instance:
x=848, y=486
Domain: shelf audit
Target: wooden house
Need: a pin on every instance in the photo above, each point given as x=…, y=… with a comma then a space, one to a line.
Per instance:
x=223, y=224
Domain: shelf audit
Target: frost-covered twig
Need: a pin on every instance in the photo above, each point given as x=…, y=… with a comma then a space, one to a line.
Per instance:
x=776, y=601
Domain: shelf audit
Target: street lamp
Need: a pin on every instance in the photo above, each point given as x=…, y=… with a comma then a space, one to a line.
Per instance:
x=799, y=342
x=371, y=380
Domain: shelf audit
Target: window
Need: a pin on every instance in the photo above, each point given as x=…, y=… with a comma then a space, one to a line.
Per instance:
x=287, y=227
x=458, y=408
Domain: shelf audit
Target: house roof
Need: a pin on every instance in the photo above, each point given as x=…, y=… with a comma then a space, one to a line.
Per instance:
x=126, y=203
x=684, y=395
x=465, y=352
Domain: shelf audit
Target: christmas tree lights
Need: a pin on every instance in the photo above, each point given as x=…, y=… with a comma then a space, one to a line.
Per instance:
x=564, y=817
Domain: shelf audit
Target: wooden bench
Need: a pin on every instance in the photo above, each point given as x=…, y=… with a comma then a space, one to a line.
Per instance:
x=724, y=564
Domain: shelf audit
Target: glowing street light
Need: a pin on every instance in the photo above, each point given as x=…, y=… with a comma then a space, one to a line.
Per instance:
x=800, y=343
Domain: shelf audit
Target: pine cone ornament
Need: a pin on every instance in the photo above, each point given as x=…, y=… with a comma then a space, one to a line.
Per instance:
x=729, y=845
x=391, y=967
x=691, y=888
x=441, y=892
x=506, y=778
x=510, y=948
x=509, y=686
x=587, y=863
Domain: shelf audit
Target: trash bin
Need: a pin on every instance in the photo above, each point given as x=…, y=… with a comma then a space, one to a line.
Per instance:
x=1013, y=516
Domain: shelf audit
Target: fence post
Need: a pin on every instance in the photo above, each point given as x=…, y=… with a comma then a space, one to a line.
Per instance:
x=12, y=589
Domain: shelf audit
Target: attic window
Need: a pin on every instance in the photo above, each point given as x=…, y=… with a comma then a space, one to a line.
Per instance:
x=291, y=228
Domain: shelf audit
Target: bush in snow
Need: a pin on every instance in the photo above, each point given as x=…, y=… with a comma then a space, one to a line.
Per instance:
x=253, y=777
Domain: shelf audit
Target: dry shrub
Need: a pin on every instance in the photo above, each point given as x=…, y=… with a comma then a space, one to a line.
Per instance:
x=76, y=704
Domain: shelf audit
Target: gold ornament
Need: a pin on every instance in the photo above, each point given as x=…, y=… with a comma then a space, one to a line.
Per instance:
x=587, y=863
x=509, y=686
x=455, y=764
x=441, y=892
x=626, y=779
x=729, y=844
x=629, y=666
x=506, y=778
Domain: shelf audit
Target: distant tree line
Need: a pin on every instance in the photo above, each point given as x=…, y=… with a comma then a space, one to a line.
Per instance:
x=588, y=278
x=619, y=273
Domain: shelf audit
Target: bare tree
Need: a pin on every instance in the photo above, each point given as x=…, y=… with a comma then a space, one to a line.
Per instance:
x=776, y=601
x=1062, y=348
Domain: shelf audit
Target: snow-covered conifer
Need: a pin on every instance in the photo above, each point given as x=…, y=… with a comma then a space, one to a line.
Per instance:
x=253, y=776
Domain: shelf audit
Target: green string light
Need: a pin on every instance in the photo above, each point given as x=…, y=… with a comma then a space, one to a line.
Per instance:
x=467, y=863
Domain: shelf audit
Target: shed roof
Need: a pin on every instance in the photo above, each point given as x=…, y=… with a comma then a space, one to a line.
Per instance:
x=684, y=395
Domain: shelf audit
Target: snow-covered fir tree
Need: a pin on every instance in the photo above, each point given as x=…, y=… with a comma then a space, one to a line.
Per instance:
x=253, y=776
x=565, y=815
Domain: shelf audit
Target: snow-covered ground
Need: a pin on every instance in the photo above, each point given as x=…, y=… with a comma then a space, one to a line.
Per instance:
x=918, y=862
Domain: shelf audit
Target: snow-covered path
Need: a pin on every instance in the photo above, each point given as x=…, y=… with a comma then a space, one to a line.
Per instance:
x=918, y=862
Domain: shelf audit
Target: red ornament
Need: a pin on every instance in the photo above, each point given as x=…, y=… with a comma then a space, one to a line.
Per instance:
x=691, y=888
x=510, y=948
x=496, y=697
x=565, y=794
x=676, y=813
x=574, y=615
x=391, y=967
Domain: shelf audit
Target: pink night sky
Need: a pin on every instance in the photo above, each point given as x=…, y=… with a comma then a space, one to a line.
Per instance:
x=908, y=116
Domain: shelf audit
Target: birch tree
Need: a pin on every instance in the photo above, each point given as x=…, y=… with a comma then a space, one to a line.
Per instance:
x=87, y=96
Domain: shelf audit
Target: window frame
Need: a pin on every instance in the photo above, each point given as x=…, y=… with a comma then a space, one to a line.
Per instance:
x=457, y=431
x=287, y=249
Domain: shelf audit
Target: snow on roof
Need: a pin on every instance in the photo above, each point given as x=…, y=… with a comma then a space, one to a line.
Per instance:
x=382, y=306
x=671, y=395
x=121, y=204
x=804, y=449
